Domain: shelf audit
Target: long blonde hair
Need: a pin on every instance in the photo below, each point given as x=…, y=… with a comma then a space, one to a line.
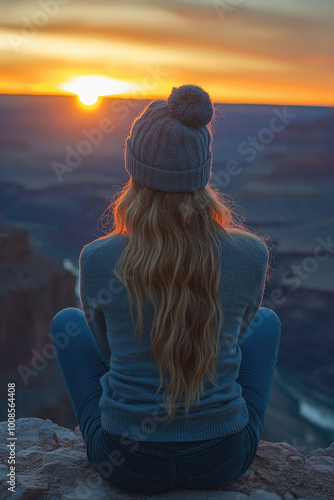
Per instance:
x=174, y=258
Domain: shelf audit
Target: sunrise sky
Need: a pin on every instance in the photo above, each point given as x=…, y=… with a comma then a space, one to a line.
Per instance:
x=247, y=51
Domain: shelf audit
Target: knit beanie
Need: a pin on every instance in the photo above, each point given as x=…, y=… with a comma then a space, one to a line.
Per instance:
x=169, y=146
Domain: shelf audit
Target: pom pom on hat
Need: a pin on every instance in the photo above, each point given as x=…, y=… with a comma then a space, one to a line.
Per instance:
x=191, y=105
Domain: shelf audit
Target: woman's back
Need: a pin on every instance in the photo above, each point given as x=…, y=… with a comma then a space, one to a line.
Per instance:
x=130, y=386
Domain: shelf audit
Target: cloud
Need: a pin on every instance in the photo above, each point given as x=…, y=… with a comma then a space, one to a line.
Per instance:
x=252, y=47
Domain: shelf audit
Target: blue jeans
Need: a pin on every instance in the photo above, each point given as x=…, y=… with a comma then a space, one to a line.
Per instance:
x=152, y=467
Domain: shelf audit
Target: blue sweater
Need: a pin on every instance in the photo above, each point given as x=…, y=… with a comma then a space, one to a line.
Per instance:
x=129, y=404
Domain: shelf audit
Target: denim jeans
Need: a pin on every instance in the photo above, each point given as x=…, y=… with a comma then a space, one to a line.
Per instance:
x=151, y=467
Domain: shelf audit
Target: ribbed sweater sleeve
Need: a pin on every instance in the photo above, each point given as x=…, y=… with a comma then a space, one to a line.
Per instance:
x=91, y=306
x=255, y=303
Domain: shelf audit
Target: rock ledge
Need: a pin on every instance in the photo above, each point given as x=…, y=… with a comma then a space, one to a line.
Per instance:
x=51, y=464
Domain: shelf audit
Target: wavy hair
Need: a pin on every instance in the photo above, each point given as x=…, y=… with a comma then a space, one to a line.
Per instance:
x=174, y=258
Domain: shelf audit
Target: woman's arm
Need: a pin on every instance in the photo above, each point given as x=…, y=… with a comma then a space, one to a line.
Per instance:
x=88, y=289
x=249, y=314
x=255, y=303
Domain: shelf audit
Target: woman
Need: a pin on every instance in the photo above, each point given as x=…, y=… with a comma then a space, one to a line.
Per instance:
x=176, y=397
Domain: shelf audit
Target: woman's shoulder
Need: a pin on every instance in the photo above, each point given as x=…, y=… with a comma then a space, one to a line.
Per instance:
x=248, y=243
x=99, y=246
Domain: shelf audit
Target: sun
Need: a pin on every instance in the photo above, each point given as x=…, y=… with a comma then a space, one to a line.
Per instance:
x=89, y=88
x=88, y=98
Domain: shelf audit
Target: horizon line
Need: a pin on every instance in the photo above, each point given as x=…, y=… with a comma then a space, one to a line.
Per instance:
x=126, y=97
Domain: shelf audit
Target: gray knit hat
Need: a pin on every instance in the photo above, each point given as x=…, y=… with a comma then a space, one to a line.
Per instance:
x=169, y=146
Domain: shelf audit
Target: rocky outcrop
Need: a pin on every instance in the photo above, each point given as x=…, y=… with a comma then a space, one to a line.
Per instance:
x=51, y=463
x=33, y=288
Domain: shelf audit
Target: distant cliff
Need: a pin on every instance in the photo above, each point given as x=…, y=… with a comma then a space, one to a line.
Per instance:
x=51, y=463
x=33, y=288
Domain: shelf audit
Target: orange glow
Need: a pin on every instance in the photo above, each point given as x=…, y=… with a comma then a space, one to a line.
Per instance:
x=246, y=55
x=90, y=87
